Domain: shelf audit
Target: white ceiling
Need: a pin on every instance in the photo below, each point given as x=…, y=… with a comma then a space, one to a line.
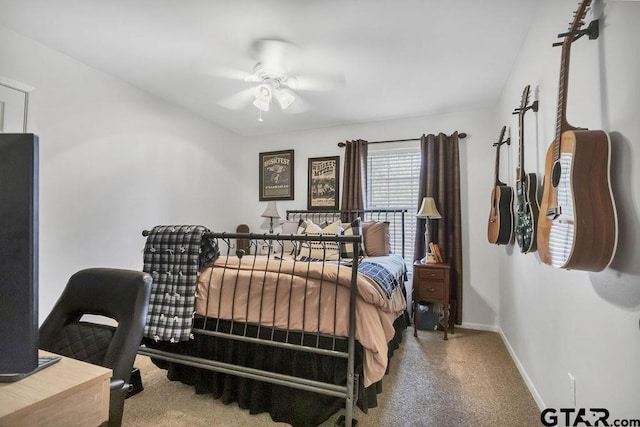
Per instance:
x=402, y=58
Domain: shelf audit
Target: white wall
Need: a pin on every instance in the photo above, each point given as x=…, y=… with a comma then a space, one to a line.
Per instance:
x=557, y=321
x=113, y=161
x=480, y=305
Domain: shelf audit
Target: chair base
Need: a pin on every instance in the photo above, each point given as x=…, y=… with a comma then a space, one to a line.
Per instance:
x=135, y=383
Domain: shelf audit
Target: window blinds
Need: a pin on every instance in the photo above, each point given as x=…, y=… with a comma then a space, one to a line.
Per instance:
x=392, y=182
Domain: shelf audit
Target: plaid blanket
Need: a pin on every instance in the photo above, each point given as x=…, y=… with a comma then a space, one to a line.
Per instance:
x=388, y=272
x=173, y=255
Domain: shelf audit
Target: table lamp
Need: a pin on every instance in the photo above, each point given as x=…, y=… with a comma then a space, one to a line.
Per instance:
x=271, y=212
x=428, y=211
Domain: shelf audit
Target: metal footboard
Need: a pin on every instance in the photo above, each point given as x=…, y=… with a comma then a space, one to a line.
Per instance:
x=248, y=277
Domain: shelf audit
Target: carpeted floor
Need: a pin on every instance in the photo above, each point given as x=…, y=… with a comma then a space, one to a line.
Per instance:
x=469, y=380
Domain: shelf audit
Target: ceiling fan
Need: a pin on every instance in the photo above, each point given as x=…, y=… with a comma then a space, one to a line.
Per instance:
x=272, y=79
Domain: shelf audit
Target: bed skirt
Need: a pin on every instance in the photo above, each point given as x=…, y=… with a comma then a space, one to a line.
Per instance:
x=297, y=407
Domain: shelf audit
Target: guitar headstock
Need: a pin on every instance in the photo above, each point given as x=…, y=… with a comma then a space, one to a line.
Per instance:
x=578, y=16
x=575, y=31
x=525, y=99
x=501, y=138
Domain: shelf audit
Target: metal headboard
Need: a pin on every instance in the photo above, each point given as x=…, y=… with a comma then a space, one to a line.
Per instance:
x=395, y=217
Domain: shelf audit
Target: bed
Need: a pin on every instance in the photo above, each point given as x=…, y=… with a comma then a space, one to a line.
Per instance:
x=302, y=325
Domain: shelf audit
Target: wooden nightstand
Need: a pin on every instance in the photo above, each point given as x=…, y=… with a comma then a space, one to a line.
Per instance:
x=431, y=284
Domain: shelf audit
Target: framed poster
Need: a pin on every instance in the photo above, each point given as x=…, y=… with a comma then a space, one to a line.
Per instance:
x=276, y=175
x=323, y=183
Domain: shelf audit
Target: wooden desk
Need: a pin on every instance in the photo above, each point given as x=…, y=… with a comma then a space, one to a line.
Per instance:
x=431, y=284
x=68, y=393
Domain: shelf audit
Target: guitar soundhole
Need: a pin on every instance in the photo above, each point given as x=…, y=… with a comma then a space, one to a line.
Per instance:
x=555, y=174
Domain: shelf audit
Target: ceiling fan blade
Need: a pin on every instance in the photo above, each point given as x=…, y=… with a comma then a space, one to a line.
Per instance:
x=226, y=72
x=316, y=83
x=238, y=100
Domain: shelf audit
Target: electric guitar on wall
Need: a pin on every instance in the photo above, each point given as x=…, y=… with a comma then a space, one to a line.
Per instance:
x=526, y=188
x=500, y=229
x=577, y=226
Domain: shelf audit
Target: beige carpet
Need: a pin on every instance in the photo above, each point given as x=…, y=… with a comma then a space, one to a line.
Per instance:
x=469, y=380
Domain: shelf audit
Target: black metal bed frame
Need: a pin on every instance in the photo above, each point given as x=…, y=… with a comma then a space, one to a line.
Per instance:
x=395, y=217
x=275, y=243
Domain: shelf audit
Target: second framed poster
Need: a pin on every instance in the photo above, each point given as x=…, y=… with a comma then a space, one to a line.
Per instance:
x=323, y=183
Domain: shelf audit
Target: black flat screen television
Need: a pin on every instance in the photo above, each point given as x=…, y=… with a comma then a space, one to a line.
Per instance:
x=18, y=254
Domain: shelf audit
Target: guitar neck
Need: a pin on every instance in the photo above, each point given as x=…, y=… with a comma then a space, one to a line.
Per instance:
x=563, y=87
x=521, y=112
x=498, y=144
x=561, y=116
x=496, y=181
x=521, y=146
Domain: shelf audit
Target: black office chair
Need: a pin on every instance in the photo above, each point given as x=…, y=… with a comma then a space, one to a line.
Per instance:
x=122, y=295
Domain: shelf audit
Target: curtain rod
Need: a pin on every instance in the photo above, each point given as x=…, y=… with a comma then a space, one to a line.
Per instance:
x=342, y=144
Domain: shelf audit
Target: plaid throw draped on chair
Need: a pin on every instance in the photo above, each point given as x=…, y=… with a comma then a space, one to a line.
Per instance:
x=173, y=255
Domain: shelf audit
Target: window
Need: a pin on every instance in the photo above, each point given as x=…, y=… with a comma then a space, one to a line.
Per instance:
x=393, y=174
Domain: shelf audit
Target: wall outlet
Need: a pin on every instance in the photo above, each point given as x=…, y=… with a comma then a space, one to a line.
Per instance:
x=572, y=389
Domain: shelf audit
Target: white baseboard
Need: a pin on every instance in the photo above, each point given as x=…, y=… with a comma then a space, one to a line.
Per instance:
x=523, y=373
x=480, y=327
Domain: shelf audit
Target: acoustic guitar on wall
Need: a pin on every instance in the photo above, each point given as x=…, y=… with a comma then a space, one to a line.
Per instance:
x=500, y=228
x=577, y=226
x=527, y=206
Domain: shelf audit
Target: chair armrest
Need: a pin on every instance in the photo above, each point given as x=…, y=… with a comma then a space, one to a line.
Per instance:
x=116, y=384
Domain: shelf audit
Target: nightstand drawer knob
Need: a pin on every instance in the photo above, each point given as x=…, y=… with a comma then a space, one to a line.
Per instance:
x=431, y=289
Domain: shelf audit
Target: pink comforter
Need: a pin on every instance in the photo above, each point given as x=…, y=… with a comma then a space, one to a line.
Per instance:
x=301, y=296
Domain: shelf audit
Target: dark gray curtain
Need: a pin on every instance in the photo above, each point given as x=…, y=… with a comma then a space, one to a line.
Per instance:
x=440, y=179
x=354, y=187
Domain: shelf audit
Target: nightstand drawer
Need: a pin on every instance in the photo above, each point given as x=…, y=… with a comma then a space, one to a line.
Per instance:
x=429, y=291
x=431, y=284
x=431, y=273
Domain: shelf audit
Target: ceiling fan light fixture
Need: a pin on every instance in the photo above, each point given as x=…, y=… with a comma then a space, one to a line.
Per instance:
x=263, y=93
x=262, y=105
x=271, y=79
x=284, y=97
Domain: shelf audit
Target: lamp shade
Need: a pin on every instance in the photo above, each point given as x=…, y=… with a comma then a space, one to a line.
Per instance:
x=261, y=105
x=263, y=94
x=271, y=211
x=284, y=98
x=428, y=209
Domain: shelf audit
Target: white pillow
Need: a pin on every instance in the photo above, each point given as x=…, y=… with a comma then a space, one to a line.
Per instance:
x=320, y=250
x=289, y=227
